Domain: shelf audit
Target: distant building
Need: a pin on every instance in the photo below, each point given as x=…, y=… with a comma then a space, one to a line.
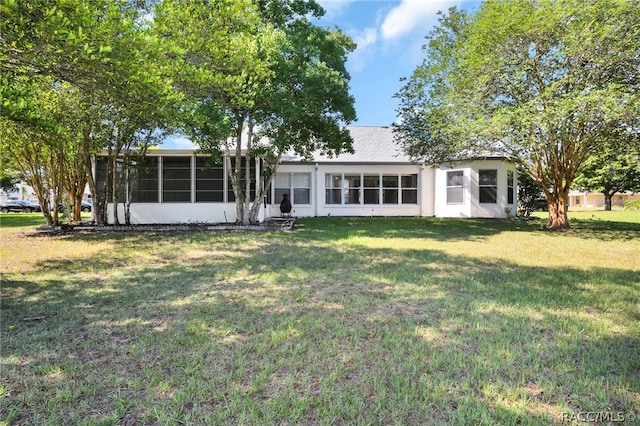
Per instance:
x=596, y=199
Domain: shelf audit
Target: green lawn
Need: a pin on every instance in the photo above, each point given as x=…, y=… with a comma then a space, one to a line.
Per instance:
x=342, y=321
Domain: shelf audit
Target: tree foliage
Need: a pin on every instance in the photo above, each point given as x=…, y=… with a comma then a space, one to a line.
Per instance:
x=77, y=78
x=610, y=171
x=546, y=83
x=262, y=80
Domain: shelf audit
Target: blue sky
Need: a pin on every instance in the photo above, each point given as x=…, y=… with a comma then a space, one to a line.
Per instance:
x=389, y=35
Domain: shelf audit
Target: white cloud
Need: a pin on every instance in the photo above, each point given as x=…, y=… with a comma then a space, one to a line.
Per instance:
x=411, y=14
x=366, y=40
x=178, y=142
x=334, y=8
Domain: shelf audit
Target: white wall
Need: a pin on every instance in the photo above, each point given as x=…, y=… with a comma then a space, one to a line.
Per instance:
x=144, y=213
x=471, y=207
x=319, y=207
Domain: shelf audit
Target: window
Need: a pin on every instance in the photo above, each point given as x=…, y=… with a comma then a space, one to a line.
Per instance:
x=145, y=181
x=372, y=189
x=301, y=188
x=510, y=187
x=297, y=185
x=351, y=189
x=333, y=184
x=176, y=179
x=488, y=185
x=389, y=189
x=409, y=189
x=455, y=194
x=209, y=181
x=282, y=185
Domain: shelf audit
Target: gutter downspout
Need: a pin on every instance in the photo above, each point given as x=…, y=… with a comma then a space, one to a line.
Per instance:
x=315, y=189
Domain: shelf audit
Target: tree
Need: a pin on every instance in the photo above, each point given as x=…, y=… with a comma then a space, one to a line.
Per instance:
x=98, y=65
x=546, y=83
x=609, y=172
x=263, y=81
x=529, y=192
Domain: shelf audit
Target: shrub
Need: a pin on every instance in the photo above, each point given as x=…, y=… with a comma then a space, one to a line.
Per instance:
x=632, y=204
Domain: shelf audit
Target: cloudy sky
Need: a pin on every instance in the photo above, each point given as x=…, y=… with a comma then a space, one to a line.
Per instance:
x=389, y=35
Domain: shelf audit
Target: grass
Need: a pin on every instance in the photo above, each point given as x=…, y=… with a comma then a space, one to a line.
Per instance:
x=343, y=321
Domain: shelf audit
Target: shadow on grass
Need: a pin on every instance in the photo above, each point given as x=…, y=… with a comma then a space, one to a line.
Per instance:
x=281, y=331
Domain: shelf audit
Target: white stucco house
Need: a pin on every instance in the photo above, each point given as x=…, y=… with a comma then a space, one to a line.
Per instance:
x=180, y=186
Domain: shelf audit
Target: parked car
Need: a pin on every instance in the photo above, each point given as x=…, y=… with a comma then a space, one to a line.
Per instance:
x=20, y=206
x=86, y=206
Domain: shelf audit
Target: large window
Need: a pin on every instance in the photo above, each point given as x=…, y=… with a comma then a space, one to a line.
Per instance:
x=371, y=189
x=209, y=181
x=333, y=185
x=389, y=189
x=297, y=185
x=510, y=187
x=145, y=181
x=176, y=179
x=455, y=191
x=409, y=184
x=351, y=189
x=488, y=186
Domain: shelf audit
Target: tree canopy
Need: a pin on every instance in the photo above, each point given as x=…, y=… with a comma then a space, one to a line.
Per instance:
x=78, y=78
x=546, y=83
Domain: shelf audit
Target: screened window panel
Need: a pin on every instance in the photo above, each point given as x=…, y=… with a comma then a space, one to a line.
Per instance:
x=372, y=196
x=209, y=181
x=333, y=196
x=301, y=180
x=488, y=186
x=302, y=196
x=390, y=181
x=488, y=177
x=145, y=182
x=282, y=180
x=409, y=196
x=176, y=179
x=488, y=194
x=279, y=192
x=372, y=181
x=455, y=178
x=510, y=187
x=455, y=195
x=409, y=181
x=390, y=196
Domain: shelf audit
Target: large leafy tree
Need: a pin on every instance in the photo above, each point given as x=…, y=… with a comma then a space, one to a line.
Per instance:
x=610, y=171
x=80, y=77
x=547, y=83
x=263, y=81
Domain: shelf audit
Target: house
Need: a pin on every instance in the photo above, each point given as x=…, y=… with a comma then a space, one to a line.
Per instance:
x=378, y=179
x=596, y=199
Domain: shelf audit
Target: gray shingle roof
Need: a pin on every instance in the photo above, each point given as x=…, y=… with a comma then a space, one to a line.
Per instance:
x=372, y=144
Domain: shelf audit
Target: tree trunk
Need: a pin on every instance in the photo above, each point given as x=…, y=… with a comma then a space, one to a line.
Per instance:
x=558, y=218
x=607, y=200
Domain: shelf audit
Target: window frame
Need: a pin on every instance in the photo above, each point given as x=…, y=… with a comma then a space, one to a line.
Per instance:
x=489, y=190
x=459, y=186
